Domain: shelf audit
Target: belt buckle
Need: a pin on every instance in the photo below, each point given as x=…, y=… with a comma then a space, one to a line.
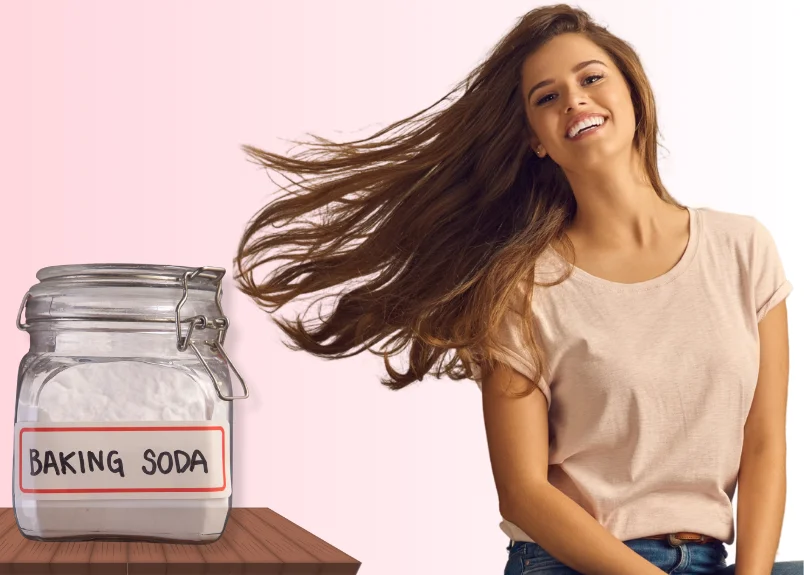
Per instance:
x=676, y=542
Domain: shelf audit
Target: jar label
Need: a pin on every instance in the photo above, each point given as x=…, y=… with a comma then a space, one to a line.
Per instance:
x=122, y=460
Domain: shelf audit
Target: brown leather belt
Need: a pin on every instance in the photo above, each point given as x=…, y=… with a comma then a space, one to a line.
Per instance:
x=683, y=537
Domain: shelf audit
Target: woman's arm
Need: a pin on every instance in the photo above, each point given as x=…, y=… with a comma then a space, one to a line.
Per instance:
x=517, y=434
x=762, y=480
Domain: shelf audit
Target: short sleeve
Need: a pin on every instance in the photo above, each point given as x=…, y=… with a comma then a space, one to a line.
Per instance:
x=516, y=353
x=770, y=283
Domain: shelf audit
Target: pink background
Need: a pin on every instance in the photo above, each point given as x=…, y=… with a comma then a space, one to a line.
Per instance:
x=119, y=142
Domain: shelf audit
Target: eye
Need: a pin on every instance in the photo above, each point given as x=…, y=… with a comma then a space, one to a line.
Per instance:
x=544, y=99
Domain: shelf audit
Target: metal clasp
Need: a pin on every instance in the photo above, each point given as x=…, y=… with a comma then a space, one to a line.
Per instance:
x=20, y=325
x=221, y=324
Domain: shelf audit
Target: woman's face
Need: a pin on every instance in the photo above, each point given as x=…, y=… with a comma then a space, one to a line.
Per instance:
x=569, y=76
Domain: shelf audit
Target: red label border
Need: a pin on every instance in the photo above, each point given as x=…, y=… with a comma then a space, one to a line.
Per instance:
x=129, y=490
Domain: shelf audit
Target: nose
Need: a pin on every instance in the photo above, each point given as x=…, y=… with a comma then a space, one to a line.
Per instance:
x=576, y=98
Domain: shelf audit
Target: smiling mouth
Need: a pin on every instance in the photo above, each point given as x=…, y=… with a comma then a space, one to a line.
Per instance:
x=587, y=130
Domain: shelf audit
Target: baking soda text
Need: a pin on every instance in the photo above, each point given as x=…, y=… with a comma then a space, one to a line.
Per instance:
x=166, y=462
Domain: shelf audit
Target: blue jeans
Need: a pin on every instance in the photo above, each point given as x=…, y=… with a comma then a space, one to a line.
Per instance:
x=525, y=558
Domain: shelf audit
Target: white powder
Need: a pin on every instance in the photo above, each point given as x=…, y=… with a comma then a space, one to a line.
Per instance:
x=124, y=391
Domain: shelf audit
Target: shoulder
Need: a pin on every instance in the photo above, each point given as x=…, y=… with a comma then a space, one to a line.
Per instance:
x=732, y=231
x=728, y=223
x=745, y=241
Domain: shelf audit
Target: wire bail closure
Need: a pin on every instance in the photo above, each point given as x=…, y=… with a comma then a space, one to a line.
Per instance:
x=200, y=322
x=221, y=324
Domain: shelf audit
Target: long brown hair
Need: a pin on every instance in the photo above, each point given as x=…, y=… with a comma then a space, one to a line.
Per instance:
x=436, y=219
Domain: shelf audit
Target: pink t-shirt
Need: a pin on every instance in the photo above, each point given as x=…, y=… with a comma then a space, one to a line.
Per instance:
x=649, y=384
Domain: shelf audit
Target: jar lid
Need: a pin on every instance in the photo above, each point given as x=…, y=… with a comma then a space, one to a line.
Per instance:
x=122, y=292
x=130, y=274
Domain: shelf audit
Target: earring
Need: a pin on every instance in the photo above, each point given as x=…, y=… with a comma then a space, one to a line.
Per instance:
x=539, y=152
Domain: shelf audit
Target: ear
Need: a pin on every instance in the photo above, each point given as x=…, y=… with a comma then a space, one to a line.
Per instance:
x=534, y=143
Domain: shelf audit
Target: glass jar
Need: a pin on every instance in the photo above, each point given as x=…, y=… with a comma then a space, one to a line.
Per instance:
x=123, y=424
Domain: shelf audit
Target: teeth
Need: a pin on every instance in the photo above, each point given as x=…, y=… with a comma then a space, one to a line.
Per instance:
x=596, y=121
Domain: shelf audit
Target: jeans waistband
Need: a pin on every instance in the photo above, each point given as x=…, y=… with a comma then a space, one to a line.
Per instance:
x=674, y=539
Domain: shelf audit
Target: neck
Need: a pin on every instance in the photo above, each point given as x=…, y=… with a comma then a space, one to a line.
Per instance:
x=618, y=207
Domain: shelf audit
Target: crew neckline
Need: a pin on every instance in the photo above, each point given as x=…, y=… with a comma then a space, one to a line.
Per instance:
x=670, y=275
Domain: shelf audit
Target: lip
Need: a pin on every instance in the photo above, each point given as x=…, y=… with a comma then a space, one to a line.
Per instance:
x=579, y=118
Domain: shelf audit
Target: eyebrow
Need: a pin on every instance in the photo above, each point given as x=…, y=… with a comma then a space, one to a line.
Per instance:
x=575, y=68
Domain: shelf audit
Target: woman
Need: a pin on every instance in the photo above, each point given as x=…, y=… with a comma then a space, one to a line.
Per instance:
x=619, y=338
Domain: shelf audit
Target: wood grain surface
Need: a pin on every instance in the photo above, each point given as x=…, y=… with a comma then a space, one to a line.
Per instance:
x=256, y=541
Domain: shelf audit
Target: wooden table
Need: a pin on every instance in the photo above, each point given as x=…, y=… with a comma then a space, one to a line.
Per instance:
x=255, y=541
